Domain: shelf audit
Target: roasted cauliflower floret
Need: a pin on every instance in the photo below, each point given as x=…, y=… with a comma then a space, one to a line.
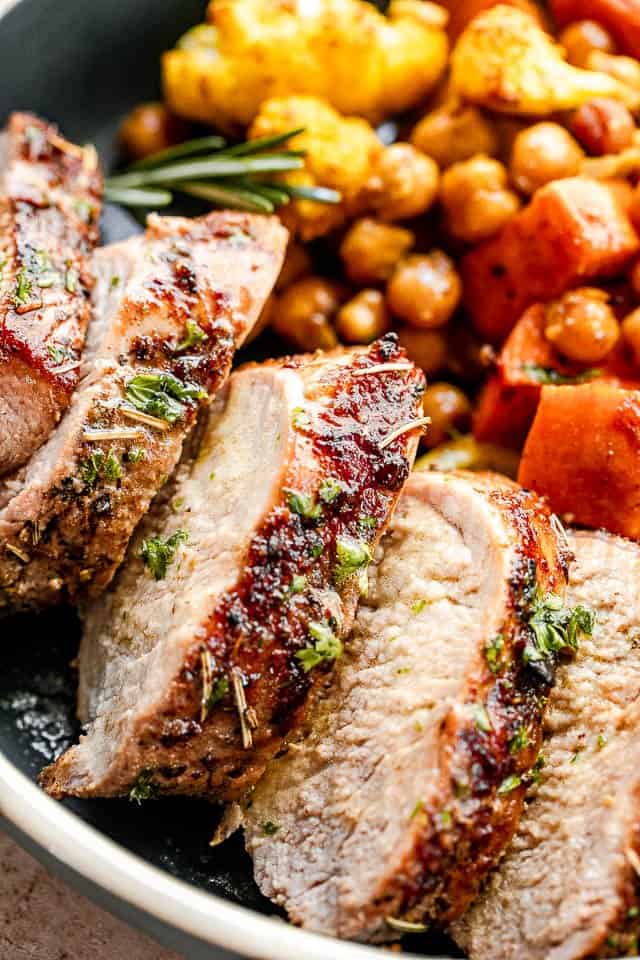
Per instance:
x=360, y=61
x=505, y=61
x=341, y=153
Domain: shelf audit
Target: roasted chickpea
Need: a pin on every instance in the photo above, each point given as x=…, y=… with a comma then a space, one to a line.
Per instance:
x=405, y=183
x=150, y=128
x=631, y=333
x=426, y=348
x=303, y=312
x=603, y=126
x=424, y=290
x=581, y=38
x=297, y=263
x=582, y=325
x=624, y=69
x=449, y=409
x=454, y=132
x=542, y=153
x=363, y=318
x=476, y=199
x=370, y=250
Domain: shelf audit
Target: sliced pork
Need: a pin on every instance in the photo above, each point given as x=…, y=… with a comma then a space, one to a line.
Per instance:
x=170, y=308
x=408, y=778
x=50, y=198
x=568, y=887
x=238, y=590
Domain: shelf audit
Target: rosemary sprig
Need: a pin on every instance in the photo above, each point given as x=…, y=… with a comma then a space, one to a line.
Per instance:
x=224, y=176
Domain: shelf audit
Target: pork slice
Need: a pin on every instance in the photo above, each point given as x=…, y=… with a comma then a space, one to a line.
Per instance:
x=170, y=308
x=408, y=778
x=193, y=669
x=568, y=886
x=50, y=199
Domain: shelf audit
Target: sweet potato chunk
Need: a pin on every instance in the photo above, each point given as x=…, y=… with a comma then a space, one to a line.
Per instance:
x=583, y=453
x=620, y=17
x=572, y=229
x=527, y=362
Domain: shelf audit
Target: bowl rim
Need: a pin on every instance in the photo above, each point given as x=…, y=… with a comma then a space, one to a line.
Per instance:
x=126, y=876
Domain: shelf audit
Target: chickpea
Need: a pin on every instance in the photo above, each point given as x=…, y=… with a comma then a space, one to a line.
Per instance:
x=624, y=69
x=449, y=409
x=424, y=290
x=363, y=318
x=302, y=313
x=582, y=325
x=476, y=199
x=297, y=263
x=426, y=348
x=581, y=38
x=454, y=132
x=150, y=128
x=631, y=333
x=370, y=250
x=542, y=153
x=405, y=183
x=603, y=126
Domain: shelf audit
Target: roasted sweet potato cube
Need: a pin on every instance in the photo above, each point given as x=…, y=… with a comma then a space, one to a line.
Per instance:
x=572, y=229
x=583, y=453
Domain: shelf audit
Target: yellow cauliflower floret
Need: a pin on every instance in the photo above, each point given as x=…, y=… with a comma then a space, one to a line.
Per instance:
x=345, y=51
x=341, y=153
x=505, y=61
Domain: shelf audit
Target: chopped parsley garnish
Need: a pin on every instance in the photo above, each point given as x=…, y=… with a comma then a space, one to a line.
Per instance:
x=481, y=718
x=157, y=553
x=218, y=692
x=535, y=774
x=100, y=466
x=84, y=209
x=299, y=419
x=24, y=289
x=330, y=489
x=71, y=278
x=269, y=828
x=194, y=334
x=519, y=741
x=352, y=557
x=493, y=653
x=115, y=280
x=298, y=583
x=445, y=819
x=508, y=784
x=316, y=547
x=602, y=741
x=548, y=375
x=576, y=756
x=419, y=808
x=177, y=504
x=143, y=787
x=56, y=353
x=303, y=504
x=402, y=671
x=418, y=606
x=326, y=646
x=555, y=627
x=162, y=395
x=367, y=523
x=135, y=454
x=633, y=912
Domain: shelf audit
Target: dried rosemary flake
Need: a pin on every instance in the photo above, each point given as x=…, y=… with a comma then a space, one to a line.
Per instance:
x=420, y=423
x=381, y=368
x=149, y=421
x=404, y=926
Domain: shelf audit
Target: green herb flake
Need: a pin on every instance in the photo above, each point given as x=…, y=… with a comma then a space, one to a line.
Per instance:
x=299, y=419
x=633, y=912
x=57, y=354
x=481, y=718
x=555, y=627
x=298, y=584
x=269, y=828
x=177, y=504
x=143, y=788
x=352, y=557
x=330, y=489
x=212, y=475
x=418, y=606
x=303, y=504
x=326, y=647
x=419, y=808
x=493, y=653
x=548, y=375
x=24, y=289
x=47, y=278
x=316, y=548
x=135, y=454
x=218, y=692
x=100, y=466
x=367, y=523
x=157, y=554
x=83, y=208
x=446, y=819
x=71, y=278
x=535, y=774
x=162, y=395
x=576, y=756
x=194, y=335
x=509, y=784
x=402, y=671
x=602, y=741
x=115, y=281
x=519, y=741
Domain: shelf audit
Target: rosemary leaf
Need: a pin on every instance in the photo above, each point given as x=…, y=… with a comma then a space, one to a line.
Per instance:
x=213, y=166
x=137, y=197
x=319, y=194
x=260, y=143
x=228, y=194
x=188, y=149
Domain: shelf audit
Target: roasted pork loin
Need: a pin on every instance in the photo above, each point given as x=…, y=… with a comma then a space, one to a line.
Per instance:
x=238, y=589
x=408, y=777
x=170, y=307
x=568, y=886
x=50, y=199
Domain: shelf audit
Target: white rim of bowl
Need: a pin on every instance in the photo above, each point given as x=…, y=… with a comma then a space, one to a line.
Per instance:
x=130, y=878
